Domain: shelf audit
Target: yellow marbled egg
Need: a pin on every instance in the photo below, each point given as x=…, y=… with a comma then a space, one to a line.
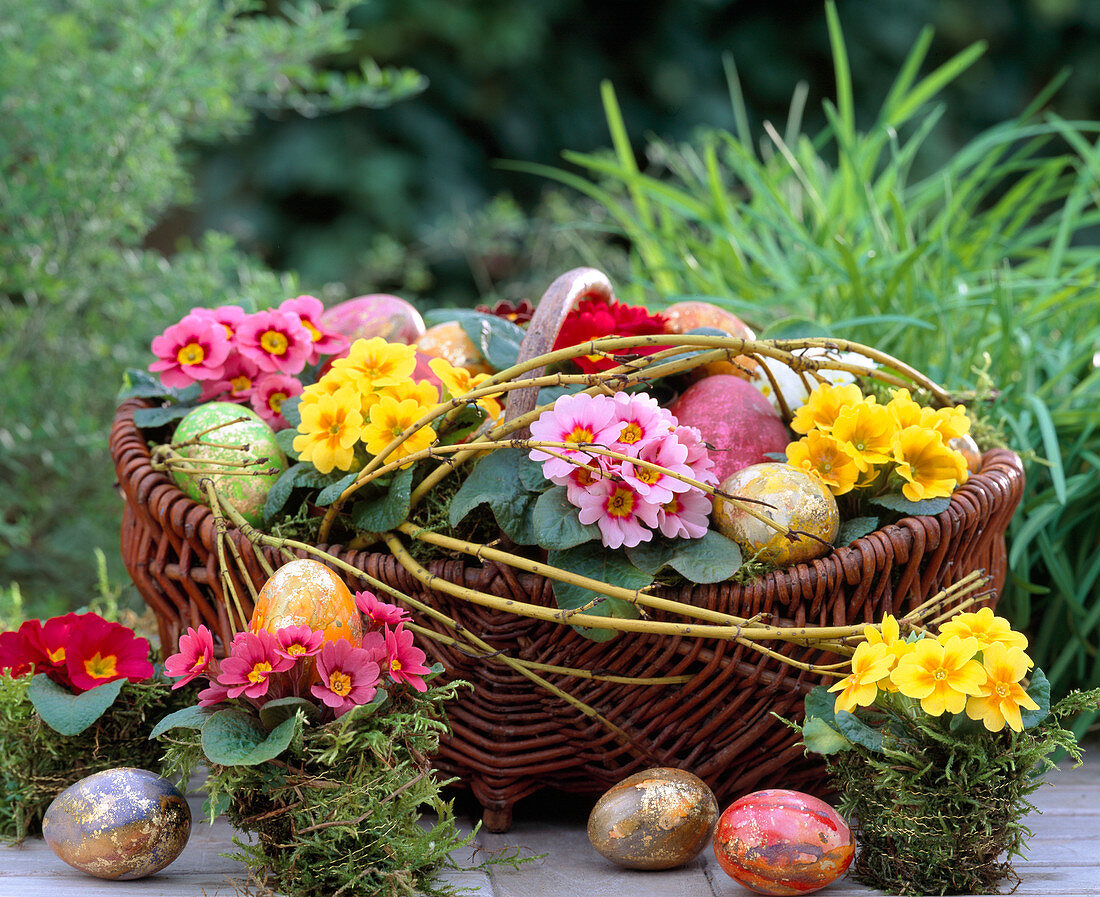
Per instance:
x=121, y=823
x=794, y=498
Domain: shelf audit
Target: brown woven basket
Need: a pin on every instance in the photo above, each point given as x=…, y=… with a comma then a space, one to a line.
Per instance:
x=511, y=738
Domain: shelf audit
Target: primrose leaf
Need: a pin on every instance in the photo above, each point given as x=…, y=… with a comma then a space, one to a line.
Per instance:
x=1038, y=690
x=139, y=384
x=858, y=732
x=193, y=717
x=712, y=558
x=292, y=412
x=594, y=561
x=285, y=440
x=66, y=713
x=273, y=713
x=279, y=493
x=333, y=491
x=235, y=738
x=855, y=528
x=900, y=504
x=150, y=418
x=556, y=524
x=530, y=474
x=496, y=338
x=821, y=703
x=818, y=737
x=381, y=513
x=495, y=481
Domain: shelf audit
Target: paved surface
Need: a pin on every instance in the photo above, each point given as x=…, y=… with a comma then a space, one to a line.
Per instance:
x=1063, y=858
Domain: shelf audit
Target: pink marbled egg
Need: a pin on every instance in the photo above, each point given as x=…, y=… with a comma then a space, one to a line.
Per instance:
x=377, y=314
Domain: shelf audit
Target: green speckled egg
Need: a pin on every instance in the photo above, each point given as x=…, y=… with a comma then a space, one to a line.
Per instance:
x=246, y=493
x=121, y=823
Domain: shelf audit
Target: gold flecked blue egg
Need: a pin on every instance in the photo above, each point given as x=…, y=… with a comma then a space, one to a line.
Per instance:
x=122, y=823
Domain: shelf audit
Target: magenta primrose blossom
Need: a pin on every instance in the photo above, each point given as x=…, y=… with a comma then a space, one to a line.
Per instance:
x=642, y=421
x=406, y=661
x=293, y=642
x=656, y=486
x=194, y=349
x=250, y=664
x=322, y=342
x=235, y=383
x=377, y=613
x=348, y=676
x=229, y=316
x=574, y=420
x=275, y=341
x=196, y=651
x=268, y=394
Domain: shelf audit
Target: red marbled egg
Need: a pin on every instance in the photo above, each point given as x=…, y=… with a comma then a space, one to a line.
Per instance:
x=735, y=419
x=783, y=842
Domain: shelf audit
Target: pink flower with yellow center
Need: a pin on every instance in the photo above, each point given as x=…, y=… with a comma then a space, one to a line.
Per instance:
x=642, y=420
x=820, y=454
x=252, y=660
x=405, y=661
x=685, y=515
x=866, y=432
x=657, y=486
x=871, y=664
x=196, y=652
x=698, y=458
x=229, y=316
x=100, y=651
x=349, y=676
x=329, y=429
x=378, y=613
x=941, y=677
x=268, y=394
x=581, y=477
x=825, y=405
x=235, y=383
x=930, y=469
x=576, y=421
x=624, y=517
x=194, y=349
x=999, y=700
x=275, y=341
x=294, y=642
x=322, y=340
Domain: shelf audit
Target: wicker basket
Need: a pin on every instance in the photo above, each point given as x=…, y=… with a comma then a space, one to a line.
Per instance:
x=510, y=738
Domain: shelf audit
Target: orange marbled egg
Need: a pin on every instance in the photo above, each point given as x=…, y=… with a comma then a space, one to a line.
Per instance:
x=449, y=340
x=783, y=843
x=307, y=593
x=684, y=316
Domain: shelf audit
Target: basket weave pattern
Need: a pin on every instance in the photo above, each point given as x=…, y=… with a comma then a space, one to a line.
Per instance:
x=510, y=738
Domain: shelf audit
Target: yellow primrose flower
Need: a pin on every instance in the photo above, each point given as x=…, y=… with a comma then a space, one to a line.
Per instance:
x=986, y=628
x=374, y=363
x=870, y=665
x=330, y=427
x=823, y=456
x=328, y=385
x=888, y=634
x=940, y=676
x=906, y=412
x=458, y=381
x=949, y=422
x=930, y=469
x=389, y=418
x=998, y=702
x=423, y=392
x=824, y=405
x=866, y=432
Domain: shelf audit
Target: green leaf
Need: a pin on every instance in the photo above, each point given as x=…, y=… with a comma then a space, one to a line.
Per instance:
x=213, y=807
x=273, y=713
x=236, y=738
x=550, y=394
x=712, y=558
x=495, y=481
x=285, y=440
x=496, y=338
x=66, y=713
x=818, y=737
x=279, y=493
x=556, y=524
x=855, y=528
x=193, y=717
x=858, y=732
x=150, y=418
x=595, y=561
x=381, y=513
x=1038, y=690
x=292, y=412
x=332, y=491
x=139, y=384
x=530, y=474
x=899, y=503
x=821, y=703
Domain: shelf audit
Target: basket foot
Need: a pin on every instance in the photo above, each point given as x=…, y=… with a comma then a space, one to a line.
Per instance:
x=497, y=819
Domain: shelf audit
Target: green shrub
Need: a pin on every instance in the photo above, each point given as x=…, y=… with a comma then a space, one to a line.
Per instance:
x=982, y=272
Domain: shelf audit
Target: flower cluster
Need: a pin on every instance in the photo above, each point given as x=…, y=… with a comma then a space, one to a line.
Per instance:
x=630, y=497
x=976, y=663
x=852, y=442
x=296, y=661
x=77, y=651
x=594, y=317
x=246, y=358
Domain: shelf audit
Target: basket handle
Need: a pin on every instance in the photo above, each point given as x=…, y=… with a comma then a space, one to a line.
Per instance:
x=542, y=331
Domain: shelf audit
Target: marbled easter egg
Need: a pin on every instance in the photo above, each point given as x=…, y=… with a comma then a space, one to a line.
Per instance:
x=656, y=819
x=783, y=843
x=736, y=421
x=794, y=498
x=377, y=314
x=968, y=448
x=121, y=823
x=682, y=317
x=795, y=386
x=448, y=340
x=304, y=592
x=233, y=434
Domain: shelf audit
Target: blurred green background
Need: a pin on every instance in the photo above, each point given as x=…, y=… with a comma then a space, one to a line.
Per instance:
x=133, y=129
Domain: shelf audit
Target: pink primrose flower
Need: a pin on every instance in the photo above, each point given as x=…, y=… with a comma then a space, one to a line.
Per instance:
x=252, y=660
x=620, y=512
x=229, y=316
x=348, y=676
x=275, y=341
x=574, y=419
x=582, y=476
x=194, y=349
x=698, y=458
x=235, y=383
x=196, y=651
x=642, y=420
x=298, y=641
x=656, y=486
x=378, y=613
x=213, y=694
x=268, y=394
x=685, y=515
x=322, y=341
x=405, y=660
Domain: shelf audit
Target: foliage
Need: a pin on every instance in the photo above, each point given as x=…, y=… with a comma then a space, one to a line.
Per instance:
x=36, y=763
x=338, y=809
x=980, y=272
x=99, y=100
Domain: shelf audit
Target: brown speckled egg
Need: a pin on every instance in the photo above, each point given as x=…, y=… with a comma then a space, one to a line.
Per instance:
x=795, y=498
x=121, y=823
x=968, y=448
x=656, y=819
